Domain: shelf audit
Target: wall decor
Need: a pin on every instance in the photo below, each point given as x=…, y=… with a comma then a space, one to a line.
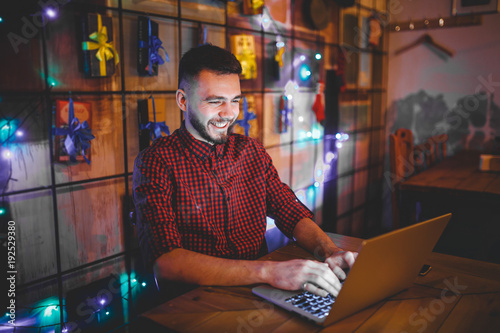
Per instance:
x=285, y=114
x=243, y=47
x=73, y=121
x=152, y=116
x=248, y=123
x=467, y=7
x=148, y=56
x=253, y=7
x=99, y=55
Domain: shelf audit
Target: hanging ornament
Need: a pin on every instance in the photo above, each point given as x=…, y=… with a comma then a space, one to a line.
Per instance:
x=151, y=130
x=339, y=68
x=98, y=48
x=280, y=51
x=78, y=135
x=253, y=7
x=319, y=103
x=248, y=115
x=202, y=34
x=277, y=61
x=243, y=47
x=285, y=113
x=148, y=57
x=375, y=31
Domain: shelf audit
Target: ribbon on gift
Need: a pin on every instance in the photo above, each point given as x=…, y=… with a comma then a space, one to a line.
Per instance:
x=78, y=135
x=99, y=41
x=154, y=45
x=153, y=127
x=279, y=56
x=247, y=116
x=285, y=112
x=257, y=5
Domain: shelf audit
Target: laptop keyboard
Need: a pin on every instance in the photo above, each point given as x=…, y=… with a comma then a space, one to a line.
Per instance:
x=314, y=304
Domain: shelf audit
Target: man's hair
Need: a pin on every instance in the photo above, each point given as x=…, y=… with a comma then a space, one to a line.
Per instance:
x=207, y=57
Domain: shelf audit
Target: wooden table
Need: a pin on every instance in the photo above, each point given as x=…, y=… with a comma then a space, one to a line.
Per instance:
x=456, y=185
x=457, y=295
x=458, y=174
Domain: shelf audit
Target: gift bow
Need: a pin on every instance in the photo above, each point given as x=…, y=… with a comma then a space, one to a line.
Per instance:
x=247, y=116
x=78, y=135
x=257, y=4
x=155, y=128
x=99, y=41
x=154, y=45
x=279, y=56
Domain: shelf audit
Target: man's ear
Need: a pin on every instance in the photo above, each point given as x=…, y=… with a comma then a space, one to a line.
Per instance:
x=181, y=99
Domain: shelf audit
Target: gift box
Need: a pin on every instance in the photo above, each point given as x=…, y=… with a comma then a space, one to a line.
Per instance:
x=150, y=111
x=243, y=47
x=83, y=112
x=146, y=29
x=99, y=55
x=253, y=7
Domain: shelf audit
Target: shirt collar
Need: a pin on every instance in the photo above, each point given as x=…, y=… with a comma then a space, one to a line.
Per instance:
x=200, y=148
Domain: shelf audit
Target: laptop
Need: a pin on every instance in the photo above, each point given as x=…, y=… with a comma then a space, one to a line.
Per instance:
x=386, y=265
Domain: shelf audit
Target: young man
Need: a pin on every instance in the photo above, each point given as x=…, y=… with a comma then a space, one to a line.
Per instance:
x=202, y=194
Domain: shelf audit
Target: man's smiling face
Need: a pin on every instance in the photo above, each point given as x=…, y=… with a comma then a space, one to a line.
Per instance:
x=211, y=105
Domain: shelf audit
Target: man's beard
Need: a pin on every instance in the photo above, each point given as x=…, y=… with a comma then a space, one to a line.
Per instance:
x=203, y=131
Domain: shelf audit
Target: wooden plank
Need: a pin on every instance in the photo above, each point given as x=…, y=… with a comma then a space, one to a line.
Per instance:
x=476, y=182
x=414, y=315
x=255, y=320
x=475, y=313
x=351, y=323
x=494, y=186
x=453, y=281
x=296, y=324
x=182, y=322
x=417, y=291
x=467, y=266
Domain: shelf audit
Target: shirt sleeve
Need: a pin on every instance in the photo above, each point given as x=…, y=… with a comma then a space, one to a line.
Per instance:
x=152, y=193
x=281, y=203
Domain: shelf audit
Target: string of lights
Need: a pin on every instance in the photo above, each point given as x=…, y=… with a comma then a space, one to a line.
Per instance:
x=47, y=310
x=18, y=132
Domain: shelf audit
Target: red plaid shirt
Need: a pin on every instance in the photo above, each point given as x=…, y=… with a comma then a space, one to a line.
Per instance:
x=211, y=199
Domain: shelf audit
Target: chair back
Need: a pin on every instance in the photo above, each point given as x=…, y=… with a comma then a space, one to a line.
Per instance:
x=430, y=152
x=406, y=160
x=400, y=149
x=400, y=153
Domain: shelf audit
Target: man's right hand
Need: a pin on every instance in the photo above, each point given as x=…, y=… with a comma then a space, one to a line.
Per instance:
x=291, y=275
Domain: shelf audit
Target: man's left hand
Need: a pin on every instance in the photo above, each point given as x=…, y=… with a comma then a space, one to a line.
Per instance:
x=341, y=260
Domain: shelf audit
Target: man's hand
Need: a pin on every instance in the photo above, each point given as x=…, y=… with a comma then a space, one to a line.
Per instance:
x=310, y=236
x=291, y=275
x=341, y=260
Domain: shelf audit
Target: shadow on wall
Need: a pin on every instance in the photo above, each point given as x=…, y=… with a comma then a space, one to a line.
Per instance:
x=473, y=123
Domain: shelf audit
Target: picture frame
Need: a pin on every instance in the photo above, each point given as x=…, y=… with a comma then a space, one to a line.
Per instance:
x=468, y=7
